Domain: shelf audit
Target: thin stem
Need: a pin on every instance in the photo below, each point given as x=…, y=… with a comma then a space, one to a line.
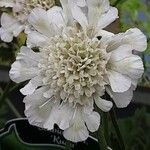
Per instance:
x=13, y=109
x=68, y=145
x=4, y=93
x=7, y=91
x=15, y=87
x=100, y=133
x=101, y=138
x=117, y=130
x=106, y=130
x=4, y=98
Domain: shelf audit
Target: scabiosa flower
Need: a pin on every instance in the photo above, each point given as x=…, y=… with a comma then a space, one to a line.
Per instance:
x=73, y=68
x=14, y=23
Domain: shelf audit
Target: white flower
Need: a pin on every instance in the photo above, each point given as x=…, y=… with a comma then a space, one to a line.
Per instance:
x=70, y=72
x=14, y=23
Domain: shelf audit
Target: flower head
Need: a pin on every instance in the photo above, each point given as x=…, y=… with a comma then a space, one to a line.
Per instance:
x=12, y=24
x=73, y=68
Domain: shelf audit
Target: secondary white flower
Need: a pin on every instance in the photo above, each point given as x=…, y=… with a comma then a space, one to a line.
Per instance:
x=14, y=23
x=72, y=68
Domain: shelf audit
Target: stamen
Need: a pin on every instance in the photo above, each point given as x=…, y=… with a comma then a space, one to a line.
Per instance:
x=46, y=102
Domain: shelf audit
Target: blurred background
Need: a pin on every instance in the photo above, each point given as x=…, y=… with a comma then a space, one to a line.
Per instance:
x=134, y=121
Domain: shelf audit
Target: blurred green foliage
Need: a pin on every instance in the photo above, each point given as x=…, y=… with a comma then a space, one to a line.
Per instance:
x=135, y=130
x=136, y=13
x=3, y=114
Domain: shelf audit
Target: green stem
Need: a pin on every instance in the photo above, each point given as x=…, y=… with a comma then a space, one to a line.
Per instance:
x=106, y=127
x=4, y=93
x=4, y=98
x=117, y=130
x=101, y=138
x=7, y=91
x=13, y=109
x=100, y=133
x=15, y=87
x=68, y=145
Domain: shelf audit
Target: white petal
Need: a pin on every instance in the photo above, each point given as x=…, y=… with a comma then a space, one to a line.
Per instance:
x=18, y=6
x=36, y=39
x=88, y=108
x=67, y=11
x=25, y=66
x=60, y=115
x=95, y=9
x=123, y=51
x=77, y=131
x=131, y=66
x=108, y=17
x=79, y=15
x=118, y=81
x=133, y=37
x=56, y=16
x=81, y=3
x=39, y=20
x=49, y=93
x=37, y=108
x=121, y=99
x=5, y=36
x=104, y=105
x=136, y=39
x=9, y=27
x=92, y=121
x=104, y=34
x=33, y=84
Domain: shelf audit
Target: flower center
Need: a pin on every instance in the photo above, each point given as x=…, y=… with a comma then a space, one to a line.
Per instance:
x=45, y=4
x=74, y=66
x=26, y=6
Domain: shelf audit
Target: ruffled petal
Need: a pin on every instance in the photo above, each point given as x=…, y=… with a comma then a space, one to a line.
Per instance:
x=103, y=104
x=108, y=17
x=33, y=84
x=57, y=17
x=133, y=37
x=118, y=81
x=36, y=39
x=121, y=99
x=25, y=67
x=78, y=14
x=60, y=115
x=77, y=131
x=92, y=121
x=67, y=11
x=136, y=39
x=122, y=52
x=38, y=19
x=95, y=9
x=37, y=108
x=105, y=35
x=131, y=66
x=10, y=27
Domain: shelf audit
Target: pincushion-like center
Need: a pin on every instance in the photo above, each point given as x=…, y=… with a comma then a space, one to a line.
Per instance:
x=26, y=6
x=74, y=66
x=45, y=4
